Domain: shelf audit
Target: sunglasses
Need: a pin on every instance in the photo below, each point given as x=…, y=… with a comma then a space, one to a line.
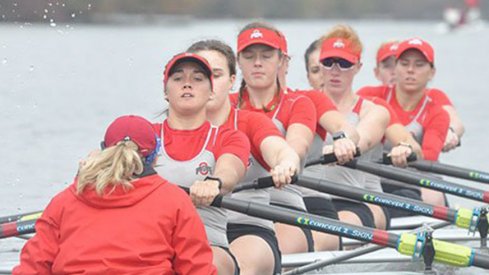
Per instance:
x=343, y=64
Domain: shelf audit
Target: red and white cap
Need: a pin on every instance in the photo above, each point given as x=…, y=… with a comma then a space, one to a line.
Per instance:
x=417, y=44
x=339, y=47
x=187, y=57
x=259, y=36
x=387, y=50
x=133, y=128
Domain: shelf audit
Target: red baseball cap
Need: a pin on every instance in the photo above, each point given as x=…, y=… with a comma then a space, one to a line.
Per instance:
x=339, y=47
x=187, y=57
x=387, y=50
x=259, y=36
x=417, y=44
x=133, y=128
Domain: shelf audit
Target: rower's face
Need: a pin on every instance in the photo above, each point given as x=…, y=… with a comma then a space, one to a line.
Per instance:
x=188, y=89
x=223, y=81
x=338, y=81
x=259, y=65
x=314, y=74
x=385, y=71
x=413, y=71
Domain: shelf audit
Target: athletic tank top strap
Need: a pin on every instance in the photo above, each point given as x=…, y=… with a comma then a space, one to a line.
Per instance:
x=358, y=106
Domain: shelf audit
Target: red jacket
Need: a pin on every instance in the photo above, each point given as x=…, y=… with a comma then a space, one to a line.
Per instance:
x=151, y=229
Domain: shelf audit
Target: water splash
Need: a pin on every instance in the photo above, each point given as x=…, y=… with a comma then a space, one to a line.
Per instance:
x=4, y=61
x=73, y=15
x=31, y=68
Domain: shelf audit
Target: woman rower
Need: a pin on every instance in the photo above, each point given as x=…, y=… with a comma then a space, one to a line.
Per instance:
x=119, y=216
x=252, y=240
x=340, y=58
x=394, y=132
x=385, y=73
x=260, y=58
x=208, y=159
x=329, y=119
x=425, y=119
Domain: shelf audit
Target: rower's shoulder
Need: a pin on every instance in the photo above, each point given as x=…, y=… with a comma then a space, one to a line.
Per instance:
x=373, y=91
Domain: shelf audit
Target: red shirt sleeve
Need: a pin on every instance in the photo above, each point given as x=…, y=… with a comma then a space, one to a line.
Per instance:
x=321, y=101
x=234, y=142
x=193, y=254
x=302, y=111
x=257, y=127
x=372, y=91
x=439, y=97
x=39, y=252
x=435, y=127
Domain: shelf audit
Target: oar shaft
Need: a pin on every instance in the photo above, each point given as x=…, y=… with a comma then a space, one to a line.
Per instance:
x=23, y=217
x=383, y=199
x=17, y=228
x=421, y=180
x=450, y=170
x=313, y=222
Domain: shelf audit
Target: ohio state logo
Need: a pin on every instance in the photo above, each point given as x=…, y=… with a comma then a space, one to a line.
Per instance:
x=415, y=41
x=338, y=44
x=256, y=34
x=393, y=47
x=204, y=169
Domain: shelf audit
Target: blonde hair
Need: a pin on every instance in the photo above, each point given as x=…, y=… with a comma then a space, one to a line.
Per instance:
x=113, y=166
x=345, y=32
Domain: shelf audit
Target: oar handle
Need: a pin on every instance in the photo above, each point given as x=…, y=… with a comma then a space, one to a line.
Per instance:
x=329, y=158
x=261, y=183
x=386, y=158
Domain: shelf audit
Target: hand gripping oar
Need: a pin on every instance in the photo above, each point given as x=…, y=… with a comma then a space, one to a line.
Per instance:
x=329, y=158
x=450, y=170
x=21, y=217
x=426, y=181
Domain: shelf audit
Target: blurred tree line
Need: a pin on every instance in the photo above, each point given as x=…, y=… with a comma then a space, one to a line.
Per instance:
x=100, y=10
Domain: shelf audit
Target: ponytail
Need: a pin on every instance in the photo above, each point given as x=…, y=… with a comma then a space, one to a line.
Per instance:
x=113, y=166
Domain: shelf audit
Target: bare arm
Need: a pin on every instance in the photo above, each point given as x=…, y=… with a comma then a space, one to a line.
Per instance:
x=299, y=137
x=456, y=129
x=334, y=121
x=372, y=125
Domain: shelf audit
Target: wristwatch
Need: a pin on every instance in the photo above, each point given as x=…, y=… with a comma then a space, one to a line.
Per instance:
x=339, y=135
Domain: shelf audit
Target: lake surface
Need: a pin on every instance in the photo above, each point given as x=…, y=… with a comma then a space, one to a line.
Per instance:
x=61, y=86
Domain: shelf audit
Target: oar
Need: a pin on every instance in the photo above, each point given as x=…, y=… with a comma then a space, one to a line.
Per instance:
x=349, y=255
x=463, y=218
x=20, y=217
x=450, y=170
x=17, y=228
x=414, y=178
x=416, y=245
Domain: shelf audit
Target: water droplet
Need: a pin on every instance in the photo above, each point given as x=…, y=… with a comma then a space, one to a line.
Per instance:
x=15, y=4
x=73, y=15
x=46, y=11
x=63, y=4
x=52, y=24
x=50, y=4
x=4, y=61
x=13, y=11
x=31, y=68
x=44, y=17
x=89, y=6
x=21, y=195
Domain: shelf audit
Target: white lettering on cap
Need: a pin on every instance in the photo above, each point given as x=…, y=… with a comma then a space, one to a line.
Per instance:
x=338, y=44
x=393, y=47
x=415, y=41
x=256, y=34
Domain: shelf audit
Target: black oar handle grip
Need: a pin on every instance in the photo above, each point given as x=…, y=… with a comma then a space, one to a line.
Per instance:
x=260, y=183
x=386, y=158
x=329, y=158
x=216, y=202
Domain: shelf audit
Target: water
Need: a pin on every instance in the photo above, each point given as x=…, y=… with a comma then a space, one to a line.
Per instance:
x=61, y=85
